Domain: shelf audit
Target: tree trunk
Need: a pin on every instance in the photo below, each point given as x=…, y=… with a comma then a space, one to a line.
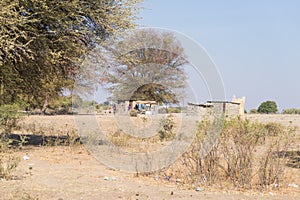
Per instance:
x=45, y=106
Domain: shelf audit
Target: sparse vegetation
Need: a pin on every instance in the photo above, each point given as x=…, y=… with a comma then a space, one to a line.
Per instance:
x=291, y=111
x=119, y=138
x=133, y=113
x=174, y=110
x=246, y=155
x=167, y=125
x=8, y=161
x=271, y=164
x=9, y=117
x=253, y=111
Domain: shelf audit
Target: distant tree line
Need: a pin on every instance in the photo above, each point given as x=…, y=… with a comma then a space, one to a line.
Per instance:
x=269, y=107
x=291, y=111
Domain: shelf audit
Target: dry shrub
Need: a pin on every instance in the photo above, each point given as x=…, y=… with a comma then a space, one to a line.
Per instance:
x=133, y=113
x=274, y=129
x=167, y=130
x=238, y=143
x=271, y=165
x=8, y=161
x=246, y=155
x=9, y=117
x=192, y=168
x=120, y=139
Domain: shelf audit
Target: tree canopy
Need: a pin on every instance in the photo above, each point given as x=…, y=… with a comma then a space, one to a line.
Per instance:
x=148, y=66
x=267, y=107
x=43, y=43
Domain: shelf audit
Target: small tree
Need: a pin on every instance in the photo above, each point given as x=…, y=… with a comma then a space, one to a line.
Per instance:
x=267, y=107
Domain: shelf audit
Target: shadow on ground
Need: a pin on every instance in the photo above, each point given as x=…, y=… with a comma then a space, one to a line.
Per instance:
x=293, y=158
x=16, y=140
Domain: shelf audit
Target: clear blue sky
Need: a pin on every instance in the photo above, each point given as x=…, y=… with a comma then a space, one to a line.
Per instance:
x=254, y=43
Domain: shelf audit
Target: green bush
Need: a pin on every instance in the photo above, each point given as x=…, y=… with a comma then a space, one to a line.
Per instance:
x=253, y=111
x=174, y=110
x=9, y=117
x=291, y=111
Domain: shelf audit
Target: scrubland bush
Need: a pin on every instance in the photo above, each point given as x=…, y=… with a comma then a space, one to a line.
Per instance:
x=291, y=111
x=133, y=113
x=272, y=162
x=253, y=111
x=167, y=125
x=237, y=146
x=246, y=155
x=8, y=162
x=120, y=139
x=9, y=117
x=7, y=165
x=174, y=110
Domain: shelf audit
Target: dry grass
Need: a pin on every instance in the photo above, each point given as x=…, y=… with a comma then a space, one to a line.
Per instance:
x=238, y=171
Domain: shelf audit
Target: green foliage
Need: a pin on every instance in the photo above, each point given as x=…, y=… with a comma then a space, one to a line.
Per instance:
x=64, y=104
x=102, y=106
x=76, y=101
x=174, y=110
x=267, y=107
x=43, y=43
x=9, y=116
x=291, y=111
x=61, y=105
x=253, y=111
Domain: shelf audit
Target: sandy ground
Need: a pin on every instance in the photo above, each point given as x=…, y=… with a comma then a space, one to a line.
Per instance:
x=64, y=172
x=71, y=173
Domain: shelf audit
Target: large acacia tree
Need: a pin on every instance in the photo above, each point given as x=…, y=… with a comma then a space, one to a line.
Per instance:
x=43, y=43
x=149, y=66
